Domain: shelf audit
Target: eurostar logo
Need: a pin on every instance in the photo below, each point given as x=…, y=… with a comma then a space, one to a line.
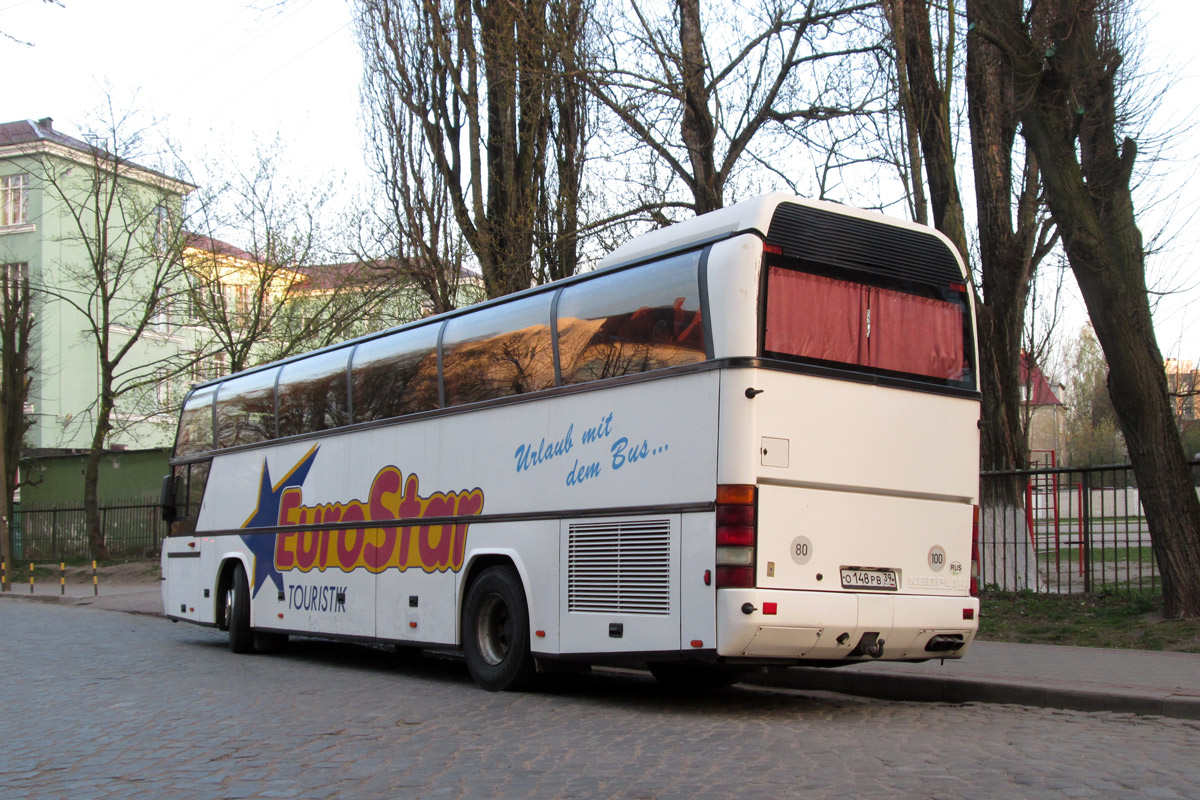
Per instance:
x=266, y=515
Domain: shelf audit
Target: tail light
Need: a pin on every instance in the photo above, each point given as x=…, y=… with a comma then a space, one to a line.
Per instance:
x=975, y=552
x=737, y=535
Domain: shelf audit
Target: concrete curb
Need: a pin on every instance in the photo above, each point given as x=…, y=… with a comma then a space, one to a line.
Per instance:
x=1122, y=700
x=65, y=600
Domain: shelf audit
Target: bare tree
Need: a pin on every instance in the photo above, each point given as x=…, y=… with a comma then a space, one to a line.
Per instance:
x=1013, y=235
x=561, y=188
x=281, y=295
x=695, y=118
x=484, y=85
x=925, y=89
x=122, y=264
x=1066, y=59
x=16, y=331
x=411, y=236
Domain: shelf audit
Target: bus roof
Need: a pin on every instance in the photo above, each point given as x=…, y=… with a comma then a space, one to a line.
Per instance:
x=753, y=215
x=749, y=216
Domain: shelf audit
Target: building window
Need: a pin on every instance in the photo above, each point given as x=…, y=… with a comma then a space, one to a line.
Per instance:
x=17, y=273
x=14, y=200
x=238, y=299
x=162, y=228
x=160, y=320
x=193, y=302
x=207, y=367
x=164, y=390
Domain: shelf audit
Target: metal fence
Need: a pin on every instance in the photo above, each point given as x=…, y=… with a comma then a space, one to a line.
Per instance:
x=1053, y=530
x=1066, y=531
x=132, y=528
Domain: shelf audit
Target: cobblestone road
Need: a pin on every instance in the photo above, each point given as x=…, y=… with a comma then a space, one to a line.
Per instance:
x=101, y=704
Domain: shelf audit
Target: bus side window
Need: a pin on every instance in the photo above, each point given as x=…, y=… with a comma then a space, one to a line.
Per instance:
x=630, y=322
x=190, y=480
x=246, y=409
x=498, y=352
x=312, y=394
x=395, y=375
x=195, y=423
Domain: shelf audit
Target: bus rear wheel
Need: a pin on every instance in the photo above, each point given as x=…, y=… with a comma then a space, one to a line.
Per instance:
x=496, y=632
x=237, y=612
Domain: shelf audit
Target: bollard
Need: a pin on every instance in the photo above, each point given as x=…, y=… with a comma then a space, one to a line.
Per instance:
x=31, y=577
x=62, y=578
x=95, y=581
x=3, y=575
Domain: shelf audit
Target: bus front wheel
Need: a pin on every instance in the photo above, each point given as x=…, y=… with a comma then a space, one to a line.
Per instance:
x=496, y=632
x=237, y=612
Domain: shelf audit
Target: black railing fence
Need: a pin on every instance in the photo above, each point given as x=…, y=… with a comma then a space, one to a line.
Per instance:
x=1046, y=530
x=1066, y=530
x=132, y=528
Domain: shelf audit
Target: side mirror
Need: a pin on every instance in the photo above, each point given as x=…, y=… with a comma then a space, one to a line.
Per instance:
x=166, y=500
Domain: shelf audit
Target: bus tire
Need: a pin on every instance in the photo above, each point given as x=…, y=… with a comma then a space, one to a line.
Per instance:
x=237, y=612
x=496, y=632
x=689, y=675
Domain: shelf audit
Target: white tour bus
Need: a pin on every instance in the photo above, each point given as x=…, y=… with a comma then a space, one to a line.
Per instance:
x=746, y=439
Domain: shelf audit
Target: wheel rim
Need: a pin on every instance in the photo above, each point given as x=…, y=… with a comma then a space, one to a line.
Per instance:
x=229, y=600
x=494, y=630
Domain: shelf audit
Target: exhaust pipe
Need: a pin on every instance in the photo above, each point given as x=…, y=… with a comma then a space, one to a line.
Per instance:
x=944, y=643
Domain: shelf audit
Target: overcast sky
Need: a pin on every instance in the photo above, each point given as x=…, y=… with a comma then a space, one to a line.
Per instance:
x=220, y=76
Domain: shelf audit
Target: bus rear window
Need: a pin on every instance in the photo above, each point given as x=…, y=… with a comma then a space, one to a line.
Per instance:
x=819, y=318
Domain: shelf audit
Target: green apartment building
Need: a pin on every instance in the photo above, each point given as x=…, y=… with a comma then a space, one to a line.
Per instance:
x=84, y=224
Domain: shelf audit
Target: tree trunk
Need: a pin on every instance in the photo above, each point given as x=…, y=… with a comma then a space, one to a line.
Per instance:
x=1137, y=384
x=1065, y=70
x=1005, y=255
x=930, y=112
x=6, y=542
x=697, y=128
x=911, y=174
x=91, y=477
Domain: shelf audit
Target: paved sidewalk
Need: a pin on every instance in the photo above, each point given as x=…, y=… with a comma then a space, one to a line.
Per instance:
x=1079, y=678
x=134, y=597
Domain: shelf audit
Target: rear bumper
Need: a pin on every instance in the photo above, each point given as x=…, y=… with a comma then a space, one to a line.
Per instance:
x=834, y=626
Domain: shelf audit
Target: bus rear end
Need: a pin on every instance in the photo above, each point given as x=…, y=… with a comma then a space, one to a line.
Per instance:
x=848, y=465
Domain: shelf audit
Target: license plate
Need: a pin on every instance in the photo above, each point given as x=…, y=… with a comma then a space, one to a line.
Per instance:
x=863, y=578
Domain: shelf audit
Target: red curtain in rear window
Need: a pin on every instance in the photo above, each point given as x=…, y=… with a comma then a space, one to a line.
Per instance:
x=916, y=334
x=816, y=317
x=812, y=316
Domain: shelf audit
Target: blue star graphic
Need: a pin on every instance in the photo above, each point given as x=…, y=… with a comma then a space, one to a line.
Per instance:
x=266, y=515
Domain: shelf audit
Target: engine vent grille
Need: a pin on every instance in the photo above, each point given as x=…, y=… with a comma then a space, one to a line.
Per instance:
x=619, y=567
